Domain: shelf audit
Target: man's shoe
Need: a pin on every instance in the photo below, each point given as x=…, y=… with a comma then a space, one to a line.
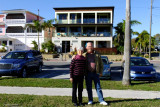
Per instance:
x=81, y=104
x=104, y=103
x=75, y=104
x=90, y=102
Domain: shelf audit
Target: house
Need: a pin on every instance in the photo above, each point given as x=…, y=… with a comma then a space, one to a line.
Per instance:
x=13, y=32
x=75, y=26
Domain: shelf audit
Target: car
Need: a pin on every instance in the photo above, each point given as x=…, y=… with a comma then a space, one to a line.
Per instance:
x=141, y=69
x=106, y=68
x=20, y=63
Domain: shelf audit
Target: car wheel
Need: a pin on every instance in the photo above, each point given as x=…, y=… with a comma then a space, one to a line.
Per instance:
x=24, y=73
x=40, y=68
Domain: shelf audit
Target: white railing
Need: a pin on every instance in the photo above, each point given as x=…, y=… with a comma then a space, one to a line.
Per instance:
x=15, y=21
x=15, y=34
x=34, y=34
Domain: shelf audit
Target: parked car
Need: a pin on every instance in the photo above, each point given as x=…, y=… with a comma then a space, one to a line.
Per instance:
x=20, y=63
x=106, y=68
x=141, y=69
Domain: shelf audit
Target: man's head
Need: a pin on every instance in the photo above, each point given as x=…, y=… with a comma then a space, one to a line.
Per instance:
x=89, y=47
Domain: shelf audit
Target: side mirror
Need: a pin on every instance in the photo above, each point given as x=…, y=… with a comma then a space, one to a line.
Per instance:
x=110, y=62
x=151, y=64
x=2, y=57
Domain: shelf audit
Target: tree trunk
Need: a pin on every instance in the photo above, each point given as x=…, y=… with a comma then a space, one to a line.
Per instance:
x=126, y=76
x=38, y=42
x=140, y=48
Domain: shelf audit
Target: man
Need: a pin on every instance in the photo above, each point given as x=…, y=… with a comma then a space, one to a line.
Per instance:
x=94, y=66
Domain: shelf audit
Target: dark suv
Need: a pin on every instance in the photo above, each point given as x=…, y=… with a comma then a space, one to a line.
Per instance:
x=20, y=63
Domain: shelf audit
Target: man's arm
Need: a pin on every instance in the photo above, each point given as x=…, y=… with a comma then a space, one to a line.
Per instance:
x=72, y=65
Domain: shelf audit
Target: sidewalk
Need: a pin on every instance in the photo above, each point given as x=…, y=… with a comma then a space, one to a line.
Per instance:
x=67, y=92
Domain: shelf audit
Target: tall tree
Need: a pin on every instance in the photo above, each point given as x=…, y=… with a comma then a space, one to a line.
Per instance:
x=118, y=39
x=127, y=49
x=49, y=24
x=39, y=26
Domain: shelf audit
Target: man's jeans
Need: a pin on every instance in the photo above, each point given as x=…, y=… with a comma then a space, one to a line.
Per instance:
x=95, y=77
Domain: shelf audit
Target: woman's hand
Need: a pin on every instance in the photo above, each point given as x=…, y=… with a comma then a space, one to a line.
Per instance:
x=71, y=79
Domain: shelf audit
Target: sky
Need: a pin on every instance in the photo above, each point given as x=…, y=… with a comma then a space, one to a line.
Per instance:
x=140, y=10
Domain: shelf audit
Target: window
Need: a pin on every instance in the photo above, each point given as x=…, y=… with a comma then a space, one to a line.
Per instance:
x=1, y=30
x=63, y=16
x=4, y=42
x=10, y=42
x=30, y=55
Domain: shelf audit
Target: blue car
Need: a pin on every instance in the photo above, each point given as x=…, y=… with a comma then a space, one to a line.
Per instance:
x=141, y=70
x=20, y=63
x=106, y=68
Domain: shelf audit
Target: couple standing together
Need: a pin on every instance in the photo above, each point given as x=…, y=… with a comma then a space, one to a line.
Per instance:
x=90, y=66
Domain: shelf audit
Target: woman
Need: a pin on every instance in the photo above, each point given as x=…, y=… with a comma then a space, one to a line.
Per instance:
x=77, y=71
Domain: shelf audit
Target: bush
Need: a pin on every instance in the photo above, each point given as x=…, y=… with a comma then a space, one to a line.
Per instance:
x=49, y=46
x=35, y=45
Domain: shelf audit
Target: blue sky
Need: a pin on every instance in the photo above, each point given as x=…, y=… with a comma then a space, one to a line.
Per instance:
x=140, y=9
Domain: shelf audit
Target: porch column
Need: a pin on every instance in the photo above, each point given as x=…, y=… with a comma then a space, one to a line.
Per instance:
x=25, y=34
x=81, y=18
x=94, y=42
x=95, y=17
x=68, y=29
x=111, y=43
x=81, y=30
x=68, y=18
x=95, y=30
x=8, y=45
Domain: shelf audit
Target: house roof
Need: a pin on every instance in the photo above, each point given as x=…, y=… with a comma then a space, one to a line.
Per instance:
x=19, y=11
x=63, y=8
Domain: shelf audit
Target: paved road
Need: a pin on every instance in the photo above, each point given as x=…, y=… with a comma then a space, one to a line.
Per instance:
x=60, y=70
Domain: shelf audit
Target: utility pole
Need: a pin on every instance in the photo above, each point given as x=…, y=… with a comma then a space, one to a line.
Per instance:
x=127, y=45
x=38, y=33
x=150, y=32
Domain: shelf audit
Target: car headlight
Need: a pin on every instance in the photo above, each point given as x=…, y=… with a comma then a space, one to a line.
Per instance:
x=153, y=72
x=133, y=72
x=16, y=65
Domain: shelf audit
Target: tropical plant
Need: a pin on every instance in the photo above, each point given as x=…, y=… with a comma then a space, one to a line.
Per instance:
x=49, y=46
x=39, y=26
x=35, y=45
x=118, y=39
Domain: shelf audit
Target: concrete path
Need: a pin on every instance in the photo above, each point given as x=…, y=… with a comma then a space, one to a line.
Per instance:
x=67, y=92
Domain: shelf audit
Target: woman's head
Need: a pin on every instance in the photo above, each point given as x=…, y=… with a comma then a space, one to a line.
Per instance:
x=80, y=50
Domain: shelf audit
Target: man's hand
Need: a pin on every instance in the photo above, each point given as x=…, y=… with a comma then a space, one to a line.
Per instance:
x=100, y=75
x=71, y=79
x=73, y=56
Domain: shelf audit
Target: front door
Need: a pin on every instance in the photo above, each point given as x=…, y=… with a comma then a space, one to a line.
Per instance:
x=65, y=46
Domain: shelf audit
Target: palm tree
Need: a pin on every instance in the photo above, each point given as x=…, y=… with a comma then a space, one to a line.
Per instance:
x=120, y=32
x=49, y=24
x=127, y=49
x=39, y=26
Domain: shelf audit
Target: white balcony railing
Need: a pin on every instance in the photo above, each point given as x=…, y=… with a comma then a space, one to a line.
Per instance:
x=15, y=34
x=23, y=34
x=34, y=34
x=15, y=21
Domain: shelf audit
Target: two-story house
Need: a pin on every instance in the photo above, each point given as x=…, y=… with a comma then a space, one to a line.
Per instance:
x=14, y=33
x=75, y=26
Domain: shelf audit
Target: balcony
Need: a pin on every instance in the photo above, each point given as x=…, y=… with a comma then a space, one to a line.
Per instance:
x=103, y=20
x=15, y=21
x=15, y=34
x=88, y=20
x=76, y=21
x=34, y=34
x=62, y=22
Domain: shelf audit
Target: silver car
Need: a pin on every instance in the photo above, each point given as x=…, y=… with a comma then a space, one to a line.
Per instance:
x=106, y=68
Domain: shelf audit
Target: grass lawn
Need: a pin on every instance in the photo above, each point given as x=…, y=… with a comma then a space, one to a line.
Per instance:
x=106, y=84
x=57, y=101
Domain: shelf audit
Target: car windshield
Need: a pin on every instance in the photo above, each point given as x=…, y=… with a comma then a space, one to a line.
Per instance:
x=15, y=55
x=105, y=61
x=139, y=62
